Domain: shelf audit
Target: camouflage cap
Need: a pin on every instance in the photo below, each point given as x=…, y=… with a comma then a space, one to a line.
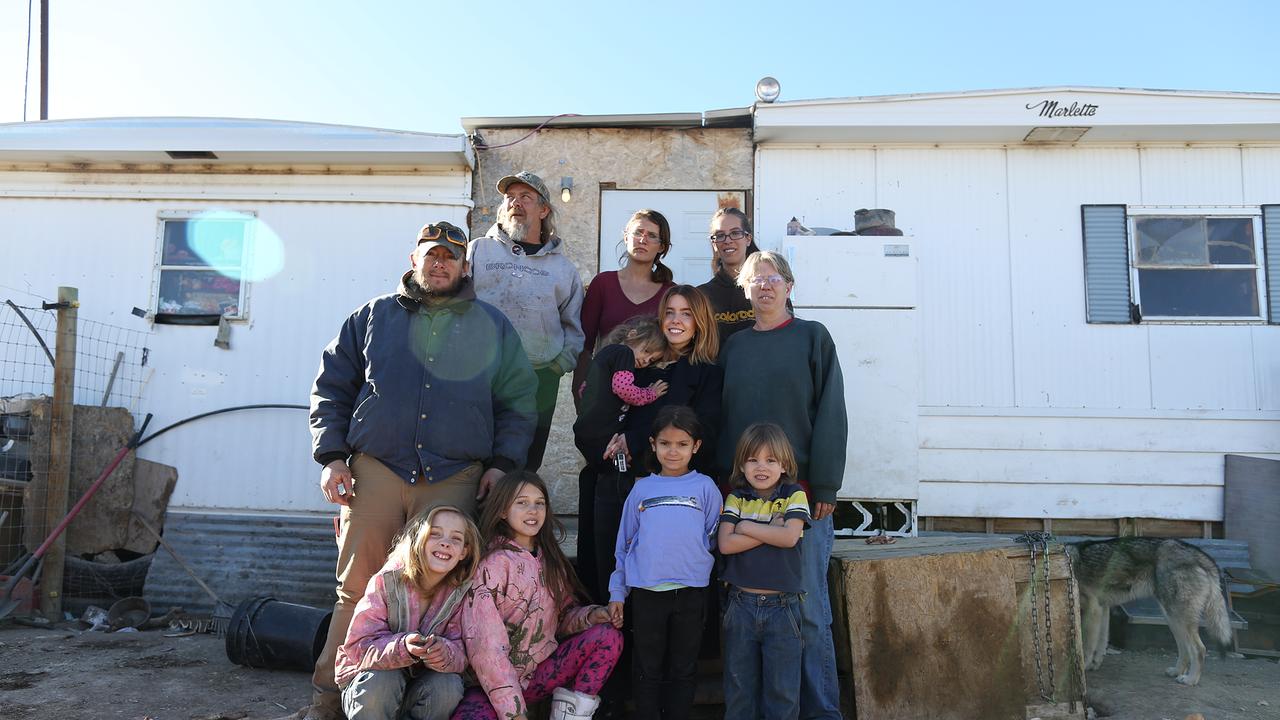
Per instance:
x=528, y=178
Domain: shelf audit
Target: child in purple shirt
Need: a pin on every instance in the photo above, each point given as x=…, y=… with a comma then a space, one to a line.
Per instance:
x=664, y=563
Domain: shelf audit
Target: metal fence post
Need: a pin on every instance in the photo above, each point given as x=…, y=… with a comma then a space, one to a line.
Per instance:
x=61, y=417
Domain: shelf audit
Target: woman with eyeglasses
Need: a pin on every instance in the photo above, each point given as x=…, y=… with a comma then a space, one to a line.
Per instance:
x=784, y=370
x=731, y=243
x=613, y=297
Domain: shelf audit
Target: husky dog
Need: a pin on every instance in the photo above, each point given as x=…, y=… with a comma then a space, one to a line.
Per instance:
x=1181, y=577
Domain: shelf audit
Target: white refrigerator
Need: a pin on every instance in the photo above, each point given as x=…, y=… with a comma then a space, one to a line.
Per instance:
x=863, y=289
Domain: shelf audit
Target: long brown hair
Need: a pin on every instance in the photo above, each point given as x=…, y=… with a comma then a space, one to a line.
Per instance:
x=706, y=341
x=561, y=580
x=770, y=438
x=411, y=545
x=659, y=273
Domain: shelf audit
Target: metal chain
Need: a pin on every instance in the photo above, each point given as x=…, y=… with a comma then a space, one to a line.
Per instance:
x=1037, y=542
x=1076, y=663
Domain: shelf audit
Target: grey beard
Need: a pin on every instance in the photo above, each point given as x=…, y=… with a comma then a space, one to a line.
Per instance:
x=516, y=231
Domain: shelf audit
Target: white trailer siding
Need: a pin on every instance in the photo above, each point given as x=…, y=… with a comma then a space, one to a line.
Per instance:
x=1026, y=410
x=343, y=239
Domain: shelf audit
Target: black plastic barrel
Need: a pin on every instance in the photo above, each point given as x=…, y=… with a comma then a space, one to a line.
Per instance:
x=268, y=633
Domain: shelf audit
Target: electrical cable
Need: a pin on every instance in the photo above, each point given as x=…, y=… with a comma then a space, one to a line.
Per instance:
x=26, y=75
x=211, y=413
x=482, y=146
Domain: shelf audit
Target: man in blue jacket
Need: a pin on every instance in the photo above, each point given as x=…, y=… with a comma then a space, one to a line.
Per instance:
x=425, y=397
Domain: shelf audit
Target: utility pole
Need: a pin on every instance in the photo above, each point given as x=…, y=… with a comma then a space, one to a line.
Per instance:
x=44, y=59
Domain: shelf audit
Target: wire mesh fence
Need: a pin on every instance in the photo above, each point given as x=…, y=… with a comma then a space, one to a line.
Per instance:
x=105, y=551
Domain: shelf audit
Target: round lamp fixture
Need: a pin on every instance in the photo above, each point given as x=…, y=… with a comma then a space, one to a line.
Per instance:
x=768, y=89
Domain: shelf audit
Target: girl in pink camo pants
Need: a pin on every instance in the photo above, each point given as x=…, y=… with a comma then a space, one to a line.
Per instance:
x=523, y=597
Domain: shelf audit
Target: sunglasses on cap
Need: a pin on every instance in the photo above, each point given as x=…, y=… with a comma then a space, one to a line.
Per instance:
x=443, y=232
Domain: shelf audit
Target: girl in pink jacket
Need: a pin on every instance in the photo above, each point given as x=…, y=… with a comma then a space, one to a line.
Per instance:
x=403, y=650
x=522, y=602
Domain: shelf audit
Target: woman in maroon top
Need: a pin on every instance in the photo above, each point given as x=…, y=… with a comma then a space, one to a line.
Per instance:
x=612, y=297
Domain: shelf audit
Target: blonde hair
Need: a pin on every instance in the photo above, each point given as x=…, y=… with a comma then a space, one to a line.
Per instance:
x=410, y=547
x=778, y=262
x=643, y=332
x=706, y=339
x=770, y=437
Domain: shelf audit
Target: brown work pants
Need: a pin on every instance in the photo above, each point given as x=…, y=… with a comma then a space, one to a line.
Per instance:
x=381, y=504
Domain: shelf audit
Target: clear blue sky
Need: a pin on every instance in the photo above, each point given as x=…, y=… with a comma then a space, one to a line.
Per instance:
x=421, y=65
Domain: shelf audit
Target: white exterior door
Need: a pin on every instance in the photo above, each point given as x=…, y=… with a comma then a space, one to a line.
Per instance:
x=689, y=213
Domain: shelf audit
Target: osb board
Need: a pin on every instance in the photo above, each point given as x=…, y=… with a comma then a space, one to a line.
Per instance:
x=153, y=483
x=97, y=434
x=934, y=635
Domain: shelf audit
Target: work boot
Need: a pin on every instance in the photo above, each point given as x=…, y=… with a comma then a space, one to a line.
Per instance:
x=567, y=704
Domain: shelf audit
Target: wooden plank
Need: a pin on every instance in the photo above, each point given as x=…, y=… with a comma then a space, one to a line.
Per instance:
x=1064, y=527
x=61, y=417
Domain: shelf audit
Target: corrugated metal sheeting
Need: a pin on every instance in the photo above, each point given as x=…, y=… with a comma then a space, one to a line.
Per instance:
x=244, y=556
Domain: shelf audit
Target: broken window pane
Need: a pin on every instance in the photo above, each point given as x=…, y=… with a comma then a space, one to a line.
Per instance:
x=1172, y=241
x=1231, y=241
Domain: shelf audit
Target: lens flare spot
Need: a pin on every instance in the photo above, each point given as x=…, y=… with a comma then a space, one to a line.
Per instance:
x=238, y=246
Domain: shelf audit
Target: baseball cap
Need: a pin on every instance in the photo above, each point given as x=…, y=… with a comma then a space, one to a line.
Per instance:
x=445, y=235
x=528, y=178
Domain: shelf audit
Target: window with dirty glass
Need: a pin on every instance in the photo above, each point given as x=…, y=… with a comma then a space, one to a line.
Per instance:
x=1196, y=266
x=201, y=269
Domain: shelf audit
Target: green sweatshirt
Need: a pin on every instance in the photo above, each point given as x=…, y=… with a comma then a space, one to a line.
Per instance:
x=789, y=376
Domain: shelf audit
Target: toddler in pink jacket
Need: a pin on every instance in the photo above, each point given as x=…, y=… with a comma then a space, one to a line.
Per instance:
x=525, y=635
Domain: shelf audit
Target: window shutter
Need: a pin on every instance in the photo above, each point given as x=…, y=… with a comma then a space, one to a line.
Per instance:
x=1106, y=263
x=1271, y=249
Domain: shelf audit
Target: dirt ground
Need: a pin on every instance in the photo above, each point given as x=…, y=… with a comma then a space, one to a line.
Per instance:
x=64, y=674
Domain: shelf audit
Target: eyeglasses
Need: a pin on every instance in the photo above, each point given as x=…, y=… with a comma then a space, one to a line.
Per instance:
x=763, y=280
x=449, y=233
x=641, y=236
x=736, y=235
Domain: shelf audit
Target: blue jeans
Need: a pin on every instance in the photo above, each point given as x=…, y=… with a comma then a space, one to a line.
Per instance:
x=762, y=651
x=394, y=695
x=819, y=687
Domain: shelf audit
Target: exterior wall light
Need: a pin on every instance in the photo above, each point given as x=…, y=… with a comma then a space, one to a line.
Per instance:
x=566, y=189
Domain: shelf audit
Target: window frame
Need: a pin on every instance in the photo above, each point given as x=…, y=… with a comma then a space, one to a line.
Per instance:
x=249, y=218
x=1134, y=213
